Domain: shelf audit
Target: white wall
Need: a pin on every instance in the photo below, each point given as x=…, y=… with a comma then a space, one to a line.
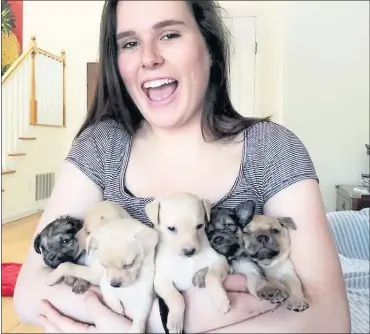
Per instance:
x=18, y=199
x=326, y=87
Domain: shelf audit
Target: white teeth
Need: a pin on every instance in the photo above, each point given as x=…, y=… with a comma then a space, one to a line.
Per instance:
x=157, y=83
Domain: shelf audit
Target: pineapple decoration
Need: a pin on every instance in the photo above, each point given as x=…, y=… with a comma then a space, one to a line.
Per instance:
x=10, y=46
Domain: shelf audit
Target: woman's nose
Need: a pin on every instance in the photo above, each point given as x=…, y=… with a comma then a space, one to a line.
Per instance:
x=151, y=57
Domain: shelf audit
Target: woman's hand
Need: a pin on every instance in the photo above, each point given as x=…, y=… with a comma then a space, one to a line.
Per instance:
x=105, y=320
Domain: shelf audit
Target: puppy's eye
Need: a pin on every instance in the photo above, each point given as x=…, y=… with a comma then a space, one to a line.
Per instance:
x=129, y=265
x=172, y=228
x=275, y=231
x=65, y=241
x=199, y=226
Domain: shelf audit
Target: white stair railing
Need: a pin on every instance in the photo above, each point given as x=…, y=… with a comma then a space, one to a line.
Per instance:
x=33, y=93
x=49, y=88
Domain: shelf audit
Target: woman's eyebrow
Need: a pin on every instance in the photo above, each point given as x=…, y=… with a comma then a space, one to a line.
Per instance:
x=157, y=26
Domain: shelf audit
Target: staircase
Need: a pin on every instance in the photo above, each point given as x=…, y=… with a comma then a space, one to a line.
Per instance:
x=33, y=130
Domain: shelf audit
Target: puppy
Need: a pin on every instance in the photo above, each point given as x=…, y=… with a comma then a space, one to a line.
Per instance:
x=182, y=250
x=267, y=243
x=256, y=250
x=226, y=237
x=100, y=213
x=60, y=242
x=122, y=262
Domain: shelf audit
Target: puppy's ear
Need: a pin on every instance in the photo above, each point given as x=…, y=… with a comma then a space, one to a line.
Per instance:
x=76, y=224
x=152, y=210
x=147, y=237
x=207, y=208
x=244, y=212
x=91, y=244
x=287, y=222
x=36, y=244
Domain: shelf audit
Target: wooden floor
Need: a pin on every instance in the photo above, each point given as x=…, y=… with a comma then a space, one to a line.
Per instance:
x=16, y=238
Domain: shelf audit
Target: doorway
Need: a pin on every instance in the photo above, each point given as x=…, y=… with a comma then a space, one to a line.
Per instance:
x=92, y=80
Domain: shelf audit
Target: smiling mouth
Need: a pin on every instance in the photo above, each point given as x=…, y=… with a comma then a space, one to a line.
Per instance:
x=160, y=89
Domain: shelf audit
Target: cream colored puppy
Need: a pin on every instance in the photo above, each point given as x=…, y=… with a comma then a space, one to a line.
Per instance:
x=183, y=249
x=100, y=213
x=122, y=253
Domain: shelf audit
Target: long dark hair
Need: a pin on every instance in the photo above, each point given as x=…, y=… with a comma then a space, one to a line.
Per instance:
x=111, y=100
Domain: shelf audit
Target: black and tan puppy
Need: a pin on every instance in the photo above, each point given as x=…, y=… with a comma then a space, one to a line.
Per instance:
x=256, y=250
x=60, y=242
x=267, y=242
x=225, y=234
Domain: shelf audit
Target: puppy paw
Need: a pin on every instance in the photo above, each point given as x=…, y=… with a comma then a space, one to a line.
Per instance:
x=70, y=281
x=272, y=293
x=224, y=305
x=175, y=322
x=298, y=305
x=60, y=272
x=199, y=278
x=80, y=286
x=222, y=302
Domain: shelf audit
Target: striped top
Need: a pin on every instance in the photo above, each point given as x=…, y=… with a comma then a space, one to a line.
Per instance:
x=273, y=158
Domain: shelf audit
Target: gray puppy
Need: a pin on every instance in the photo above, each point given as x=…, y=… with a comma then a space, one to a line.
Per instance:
x=57, y=243
x=225, y=233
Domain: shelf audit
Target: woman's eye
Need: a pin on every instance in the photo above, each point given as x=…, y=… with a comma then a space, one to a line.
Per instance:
x=171, y=228
x=171, y=36
x=199, y=226
x=129, y=45
x=65, y=241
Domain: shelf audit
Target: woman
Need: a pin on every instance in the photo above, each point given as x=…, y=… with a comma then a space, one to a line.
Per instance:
x=162, y=122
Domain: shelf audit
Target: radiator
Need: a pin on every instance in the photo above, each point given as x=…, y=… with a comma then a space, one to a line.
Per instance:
x=44, y=185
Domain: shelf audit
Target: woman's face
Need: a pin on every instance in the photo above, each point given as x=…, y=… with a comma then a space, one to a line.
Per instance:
x=163, y=60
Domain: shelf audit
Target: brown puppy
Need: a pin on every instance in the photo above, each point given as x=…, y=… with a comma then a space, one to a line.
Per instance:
x=267, y=243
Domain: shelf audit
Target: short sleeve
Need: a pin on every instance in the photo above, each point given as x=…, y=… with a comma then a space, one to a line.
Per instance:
x=87, y=155
x=285, y=160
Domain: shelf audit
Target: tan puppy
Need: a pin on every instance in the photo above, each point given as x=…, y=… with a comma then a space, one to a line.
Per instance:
x=122, y=253
x=267, y=243
x=102, y=212
x=183, y=250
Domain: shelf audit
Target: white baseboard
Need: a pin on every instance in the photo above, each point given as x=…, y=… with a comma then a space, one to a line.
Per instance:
x=12, y=218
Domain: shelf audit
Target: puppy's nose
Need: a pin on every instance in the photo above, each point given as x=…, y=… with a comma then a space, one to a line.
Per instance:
x=189, y=252
x=115, y=284
x=51, y=256
x=262, y=238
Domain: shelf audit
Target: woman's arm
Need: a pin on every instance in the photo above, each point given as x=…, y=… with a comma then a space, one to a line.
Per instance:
x=317, y=264
x=73, y=193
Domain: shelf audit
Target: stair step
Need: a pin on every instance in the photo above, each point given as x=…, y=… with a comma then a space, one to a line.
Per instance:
x=8, y=171
x=27, y=138
x=16, y=154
